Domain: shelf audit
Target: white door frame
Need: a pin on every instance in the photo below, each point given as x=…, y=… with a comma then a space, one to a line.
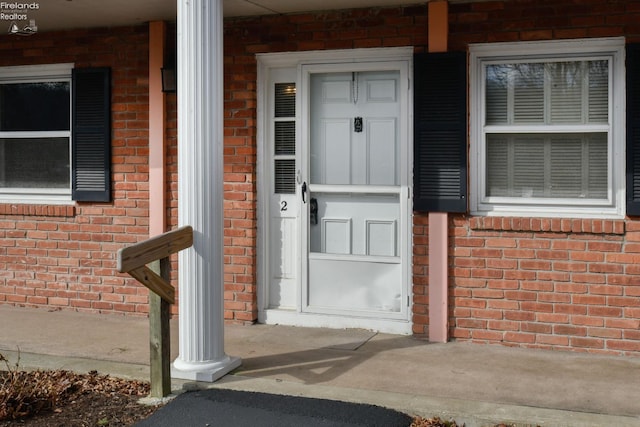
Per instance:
x=394, y=58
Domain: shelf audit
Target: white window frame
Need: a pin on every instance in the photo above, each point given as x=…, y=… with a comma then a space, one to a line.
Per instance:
x=578, y=49
x=33, y=74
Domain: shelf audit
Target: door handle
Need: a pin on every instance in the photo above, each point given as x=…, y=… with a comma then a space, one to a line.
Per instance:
x=304, y=191
x=313, y=211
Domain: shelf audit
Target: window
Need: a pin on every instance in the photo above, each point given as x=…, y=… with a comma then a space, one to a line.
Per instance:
x=48, y=154
x=547, y=128
x=284, y=127
x=35, y=131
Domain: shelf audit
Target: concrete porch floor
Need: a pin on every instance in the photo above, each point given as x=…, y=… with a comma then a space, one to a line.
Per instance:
x=470, y=383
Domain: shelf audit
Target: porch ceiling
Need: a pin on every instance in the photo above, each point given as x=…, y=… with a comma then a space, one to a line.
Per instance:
x=265, y=7
x=68, y=14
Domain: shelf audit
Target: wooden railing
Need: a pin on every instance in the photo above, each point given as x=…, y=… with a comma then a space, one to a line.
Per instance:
x=148, y=262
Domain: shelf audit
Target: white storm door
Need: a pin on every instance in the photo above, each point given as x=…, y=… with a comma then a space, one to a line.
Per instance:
x=355, y=193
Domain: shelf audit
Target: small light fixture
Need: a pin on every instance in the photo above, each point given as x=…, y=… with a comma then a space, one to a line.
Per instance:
x=168, y=79
x=28, y=30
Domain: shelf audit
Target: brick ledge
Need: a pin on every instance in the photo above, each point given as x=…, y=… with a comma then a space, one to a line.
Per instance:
x=37, y=210
x=553, y=225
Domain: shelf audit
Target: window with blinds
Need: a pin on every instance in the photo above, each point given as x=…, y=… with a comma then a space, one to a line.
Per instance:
x=575, y=92
x=546, y=134
x=533, y=163
x=284, y=128
x=547, y=165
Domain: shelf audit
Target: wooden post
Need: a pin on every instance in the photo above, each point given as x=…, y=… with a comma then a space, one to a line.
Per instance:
x=438, y=221
x=159, y=336
x=148, y=262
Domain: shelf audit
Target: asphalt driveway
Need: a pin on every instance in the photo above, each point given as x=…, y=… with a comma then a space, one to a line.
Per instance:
x=227, y=408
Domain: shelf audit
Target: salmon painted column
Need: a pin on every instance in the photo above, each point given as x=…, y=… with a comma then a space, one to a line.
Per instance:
x=157, y=114
x=438, y=221
x=200, y=192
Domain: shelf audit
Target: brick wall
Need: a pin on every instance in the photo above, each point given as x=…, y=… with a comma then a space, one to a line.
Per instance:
x=240, y=290
x=547, y=283
x=516, y=282
x=495, y=21
x=65, y=256
x=171, y=139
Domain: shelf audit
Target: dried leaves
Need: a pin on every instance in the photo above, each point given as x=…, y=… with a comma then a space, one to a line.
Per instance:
x=26, y=393
x=438, y=422
x=110, y=385
x=433, y=422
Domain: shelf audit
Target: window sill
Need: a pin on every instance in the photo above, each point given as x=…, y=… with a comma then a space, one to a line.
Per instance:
x=37, y=210
x=553, y=225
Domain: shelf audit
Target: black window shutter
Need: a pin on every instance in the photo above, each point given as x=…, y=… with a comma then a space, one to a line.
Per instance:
x=440, y=132
x=91, y=135
x=633, y=129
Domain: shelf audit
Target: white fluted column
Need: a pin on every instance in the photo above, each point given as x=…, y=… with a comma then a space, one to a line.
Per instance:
x=200, y=192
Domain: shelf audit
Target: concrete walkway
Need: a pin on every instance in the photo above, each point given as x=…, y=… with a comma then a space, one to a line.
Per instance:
x=471, y=383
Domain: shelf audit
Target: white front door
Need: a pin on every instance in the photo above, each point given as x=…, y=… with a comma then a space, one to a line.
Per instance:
x=339, y=229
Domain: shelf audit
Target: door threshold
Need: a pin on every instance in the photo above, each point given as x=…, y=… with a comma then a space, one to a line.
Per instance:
x=313, y=320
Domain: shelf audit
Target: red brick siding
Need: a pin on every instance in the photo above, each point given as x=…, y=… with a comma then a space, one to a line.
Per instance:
x=65, y=256
x=240, y=190
x=546, y=283
x=496, y=21
x=171, y=140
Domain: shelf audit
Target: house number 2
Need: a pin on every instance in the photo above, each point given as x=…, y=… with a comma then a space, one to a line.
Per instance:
x=283, y=206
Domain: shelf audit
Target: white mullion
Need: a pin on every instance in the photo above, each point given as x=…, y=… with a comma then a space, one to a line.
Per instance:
x=355, y=189
x=284, y=157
